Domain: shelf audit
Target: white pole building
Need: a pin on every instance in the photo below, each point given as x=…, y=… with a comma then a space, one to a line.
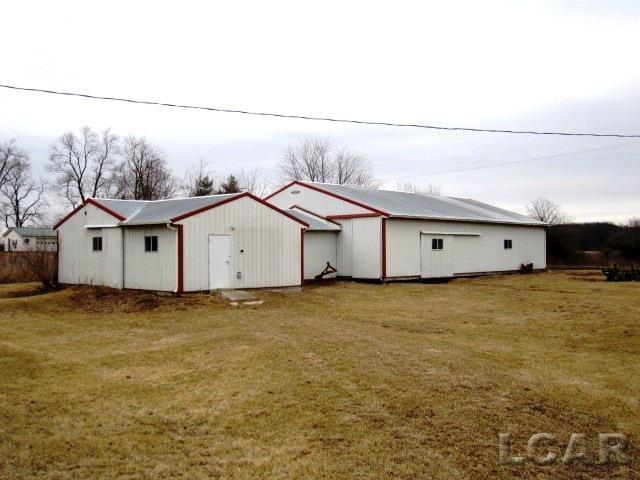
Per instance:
x=299, y=232
x=181, y=245
x=389, y=235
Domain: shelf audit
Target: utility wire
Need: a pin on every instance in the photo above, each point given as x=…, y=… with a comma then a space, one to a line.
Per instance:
x=308, y=117
x=515, y=162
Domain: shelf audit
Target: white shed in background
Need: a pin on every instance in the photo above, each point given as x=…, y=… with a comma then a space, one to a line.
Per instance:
x=398, y=235
x=19, y=239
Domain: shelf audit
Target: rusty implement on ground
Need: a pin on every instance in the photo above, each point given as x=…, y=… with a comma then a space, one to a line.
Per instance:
x=616, y=274
x=327, y=271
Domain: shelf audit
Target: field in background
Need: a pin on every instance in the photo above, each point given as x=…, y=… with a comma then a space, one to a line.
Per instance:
x=341, y=380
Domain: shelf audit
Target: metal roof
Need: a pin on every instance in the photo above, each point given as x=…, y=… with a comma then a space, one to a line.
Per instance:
x=155, y=212
x=412, y=205
x=32, y=231
x=315, y=222
x=125, y=208
x=163, y=211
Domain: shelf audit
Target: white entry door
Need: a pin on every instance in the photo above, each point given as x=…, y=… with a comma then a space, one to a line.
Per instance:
x=219, y=261
x=436, y=256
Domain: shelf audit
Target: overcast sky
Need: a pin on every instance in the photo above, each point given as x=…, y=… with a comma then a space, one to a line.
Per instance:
x=563, y=65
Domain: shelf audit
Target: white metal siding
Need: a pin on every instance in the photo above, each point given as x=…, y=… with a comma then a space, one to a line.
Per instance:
x=317, y=202
x=345, y=248
x=367, y=247
x=437, y=263
x=485, y=253
x=151, y=270
x=13, y=242
x=320, y=248
x=77, y=263
x=265, y=245
x=360, y=248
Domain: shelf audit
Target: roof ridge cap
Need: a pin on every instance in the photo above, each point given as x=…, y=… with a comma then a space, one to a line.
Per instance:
x=166, y=199
x=472, y=207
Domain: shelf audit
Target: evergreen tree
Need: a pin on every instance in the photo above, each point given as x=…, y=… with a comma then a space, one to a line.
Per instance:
x=230, y=185
x=203, y=186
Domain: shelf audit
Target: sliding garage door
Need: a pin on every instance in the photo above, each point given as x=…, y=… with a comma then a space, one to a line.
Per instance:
x=436, y=255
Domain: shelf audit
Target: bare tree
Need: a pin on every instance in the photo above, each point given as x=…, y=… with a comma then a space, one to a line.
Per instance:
x=413, y=188
x=253, y=180
x=352, y=167
x=308, y=160
x=634, y=222
x=547, y=211
x=199, y=180
x=318, y=160
x=23, y=199
x=42, y=264
x=83, y=164
x=143, y=173
x=10, y=156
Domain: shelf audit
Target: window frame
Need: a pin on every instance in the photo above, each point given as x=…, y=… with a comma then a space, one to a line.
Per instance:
x=153, y=245
x=96, y=240
x=507, y=244
x=437, y=244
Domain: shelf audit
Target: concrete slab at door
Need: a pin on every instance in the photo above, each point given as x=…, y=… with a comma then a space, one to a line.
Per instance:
x=219, y=262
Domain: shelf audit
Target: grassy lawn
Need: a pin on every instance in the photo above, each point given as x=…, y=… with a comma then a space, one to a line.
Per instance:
x=345, y=380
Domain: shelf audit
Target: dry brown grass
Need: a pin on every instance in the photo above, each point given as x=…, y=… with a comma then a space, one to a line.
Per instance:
x=28, y=266
x=339, y=381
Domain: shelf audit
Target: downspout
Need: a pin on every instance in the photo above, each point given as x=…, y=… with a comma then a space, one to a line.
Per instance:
x=180, y=266
x=383, y=242
x=302, y=230
x=124, y=252
x=57, y=257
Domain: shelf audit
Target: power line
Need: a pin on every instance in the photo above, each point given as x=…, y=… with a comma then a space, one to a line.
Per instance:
x=515, y=162
x=308, y=117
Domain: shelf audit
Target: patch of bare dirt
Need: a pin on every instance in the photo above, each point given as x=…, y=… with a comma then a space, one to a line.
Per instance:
x=24, y=290
x=107, y=300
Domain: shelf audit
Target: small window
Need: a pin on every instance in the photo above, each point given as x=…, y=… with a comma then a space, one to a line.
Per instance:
x=151, y=243
x=508, y=244
x=437, y=243
x=97, y=244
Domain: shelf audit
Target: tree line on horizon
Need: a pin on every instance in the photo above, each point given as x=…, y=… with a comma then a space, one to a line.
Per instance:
x=89, y=164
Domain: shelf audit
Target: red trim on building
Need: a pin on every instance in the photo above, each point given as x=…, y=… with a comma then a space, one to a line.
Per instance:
x=180, y=258
x=68, y=216
x=353, y=215
x=302, y=256
x=107, y=209
x=231, y=199
x=86, y=202
x=384, y=248
x=281, y=189
x=331, y=194
x=207, y=207
x=273, y=207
